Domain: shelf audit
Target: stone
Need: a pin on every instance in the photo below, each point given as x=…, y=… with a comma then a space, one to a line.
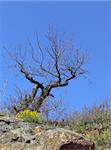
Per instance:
x=15, y=134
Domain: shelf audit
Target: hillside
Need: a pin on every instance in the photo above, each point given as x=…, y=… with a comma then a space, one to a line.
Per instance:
x=19, y=135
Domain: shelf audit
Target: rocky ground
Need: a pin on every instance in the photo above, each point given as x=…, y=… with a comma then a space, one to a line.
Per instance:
x=15, y=134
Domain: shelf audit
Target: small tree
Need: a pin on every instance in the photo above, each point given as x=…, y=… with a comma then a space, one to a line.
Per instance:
x=56, y=65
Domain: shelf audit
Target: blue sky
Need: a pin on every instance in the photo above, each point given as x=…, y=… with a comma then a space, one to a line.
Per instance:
x=89, y=22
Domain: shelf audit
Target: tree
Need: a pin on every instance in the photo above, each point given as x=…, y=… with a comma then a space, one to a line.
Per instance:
x=49, y=67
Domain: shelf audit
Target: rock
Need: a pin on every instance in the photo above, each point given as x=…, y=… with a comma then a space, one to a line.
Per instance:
x=63, y=139
x=18, y=135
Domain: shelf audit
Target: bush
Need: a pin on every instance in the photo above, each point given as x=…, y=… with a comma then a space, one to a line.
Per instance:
x=100, y=139
x=30, y=116
x=2, y=114
x=94, y=123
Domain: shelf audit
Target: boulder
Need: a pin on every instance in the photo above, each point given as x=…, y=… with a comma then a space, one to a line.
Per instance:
x=15, y=134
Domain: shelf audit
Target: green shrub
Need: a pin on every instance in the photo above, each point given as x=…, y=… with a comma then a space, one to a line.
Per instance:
x=2, y=114
x=95, y=124
x=100, y=139
x=30, y=116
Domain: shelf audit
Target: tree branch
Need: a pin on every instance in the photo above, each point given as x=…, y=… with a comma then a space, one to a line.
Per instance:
x=27, y=75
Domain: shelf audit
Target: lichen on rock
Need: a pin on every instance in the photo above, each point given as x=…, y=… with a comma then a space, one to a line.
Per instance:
x=15, y=134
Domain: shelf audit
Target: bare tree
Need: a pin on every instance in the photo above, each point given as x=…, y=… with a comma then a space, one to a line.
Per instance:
x=48, y=67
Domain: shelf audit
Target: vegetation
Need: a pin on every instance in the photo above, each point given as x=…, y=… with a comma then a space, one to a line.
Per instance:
x=30, y=116
x=1, y=114
x=50, y=67
x=94, y=123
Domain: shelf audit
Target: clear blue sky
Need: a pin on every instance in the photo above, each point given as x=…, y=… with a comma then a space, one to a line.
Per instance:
x=88, y=21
